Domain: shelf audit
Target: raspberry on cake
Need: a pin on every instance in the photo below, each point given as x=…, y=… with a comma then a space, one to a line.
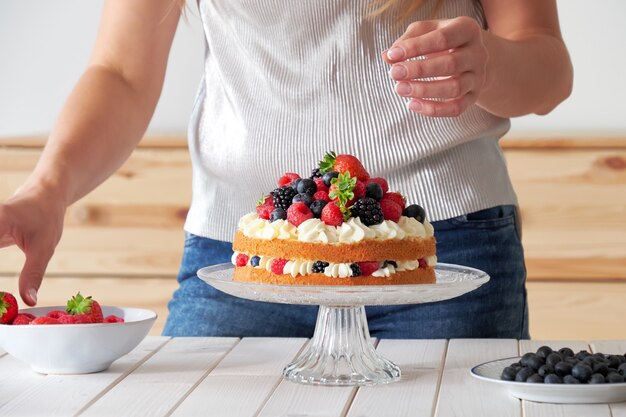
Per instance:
x=338, y=227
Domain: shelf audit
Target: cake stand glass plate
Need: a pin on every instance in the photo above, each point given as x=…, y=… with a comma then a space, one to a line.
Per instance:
x=549, y=393
x=341, y=352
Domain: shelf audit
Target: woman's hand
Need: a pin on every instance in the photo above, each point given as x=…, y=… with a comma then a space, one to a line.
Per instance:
x=452, y=67
x=32, y=220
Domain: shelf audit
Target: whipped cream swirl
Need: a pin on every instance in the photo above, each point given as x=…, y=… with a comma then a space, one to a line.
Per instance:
x=316, y=231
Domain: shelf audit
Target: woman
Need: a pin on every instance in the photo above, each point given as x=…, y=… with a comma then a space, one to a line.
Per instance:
x=284, y=83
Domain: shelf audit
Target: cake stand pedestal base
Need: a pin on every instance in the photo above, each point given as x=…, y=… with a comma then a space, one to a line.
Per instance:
x=341, y=352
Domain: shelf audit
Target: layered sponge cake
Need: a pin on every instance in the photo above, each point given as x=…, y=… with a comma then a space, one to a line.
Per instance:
x=337, y=227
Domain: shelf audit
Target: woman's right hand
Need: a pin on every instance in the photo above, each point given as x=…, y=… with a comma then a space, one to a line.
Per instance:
x=33, y=220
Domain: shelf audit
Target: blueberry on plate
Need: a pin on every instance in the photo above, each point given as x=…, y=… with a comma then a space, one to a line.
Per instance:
x=523, y=374
x=552, y=379
x=535, y=379
x=527, y=358
x=582, y=355
x=562, y=369
x=566, y=352
x=508, y=374
x=568, y=379
x=590, y=360
x=600, y=357
x=597, y=379
x=582, y=372
x=544, y=351
x=536, y=362
x=553, y=358
x=545, y=370
x=601, y=368
x=614, y=378
x=614, y=361
x=622, y=369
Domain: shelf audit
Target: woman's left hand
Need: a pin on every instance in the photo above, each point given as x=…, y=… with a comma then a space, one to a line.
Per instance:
x=454, y=59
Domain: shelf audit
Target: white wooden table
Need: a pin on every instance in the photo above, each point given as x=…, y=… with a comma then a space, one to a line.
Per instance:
x=242, y=378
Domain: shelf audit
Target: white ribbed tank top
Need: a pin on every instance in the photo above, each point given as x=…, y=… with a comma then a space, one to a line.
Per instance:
x=288, y=80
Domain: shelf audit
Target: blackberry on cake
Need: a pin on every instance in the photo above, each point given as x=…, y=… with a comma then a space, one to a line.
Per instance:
x=283, y=196
x=368, y=210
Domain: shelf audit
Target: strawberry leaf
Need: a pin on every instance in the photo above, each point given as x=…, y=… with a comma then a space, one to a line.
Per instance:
x=4, y=306
x=328, y=162
x=79, y=304
x=346, y=212
x=344, y=192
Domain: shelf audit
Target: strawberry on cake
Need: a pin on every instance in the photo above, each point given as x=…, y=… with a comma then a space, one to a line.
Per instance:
x=338, y=227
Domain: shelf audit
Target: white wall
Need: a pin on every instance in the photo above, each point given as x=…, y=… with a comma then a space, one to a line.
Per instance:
x=44, y=46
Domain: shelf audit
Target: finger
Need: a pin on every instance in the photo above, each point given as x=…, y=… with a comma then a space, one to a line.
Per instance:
x=413, y=30
x=5, y=237
x=452, y=87
x=452, y=35
x=32, y=273
x=446, y=108
x=443, y=65
x=420, y=28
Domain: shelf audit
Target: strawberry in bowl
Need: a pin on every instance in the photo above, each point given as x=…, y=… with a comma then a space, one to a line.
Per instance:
x=79, y=337
x=8, y=308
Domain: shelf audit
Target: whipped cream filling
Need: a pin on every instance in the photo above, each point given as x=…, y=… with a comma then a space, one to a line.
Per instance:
x=316, y=231
x=336, y=270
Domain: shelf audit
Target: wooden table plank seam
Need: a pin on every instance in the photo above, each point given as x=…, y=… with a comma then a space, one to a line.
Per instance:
x=255, y=363
x=278, y=382
x=271, y=393
x=283, y=385
x=349, y=402
x=290, y=399
x=421, y=362
x=435, y=406
x=158, y=384
x=461, y=392
x=199, y=381
x=124, y=375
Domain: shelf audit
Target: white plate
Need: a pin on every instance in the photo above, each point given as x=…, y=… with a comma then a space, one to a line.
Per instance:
x=549, y=393
x=452, y=281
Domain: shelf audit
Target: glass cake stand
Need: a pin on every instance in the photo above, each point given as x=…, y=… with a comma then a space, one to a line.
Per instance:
x=341, y=352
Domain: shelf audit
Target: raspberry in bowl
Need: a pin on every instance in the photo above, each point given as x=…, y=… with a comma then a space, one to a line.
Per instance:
x=51, y=341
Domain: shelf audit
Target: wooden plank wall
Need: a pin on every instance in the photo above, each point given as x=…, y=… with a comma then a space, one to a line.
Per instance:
x=122, y=243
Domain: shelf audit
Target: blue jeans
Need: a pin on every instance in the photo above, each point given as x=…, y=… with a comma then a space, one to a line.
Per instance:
x=488, y=240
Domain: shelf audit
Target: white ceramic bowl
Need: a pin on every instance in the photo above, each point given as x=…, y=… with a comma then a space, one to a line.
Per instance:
x=76, y=348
